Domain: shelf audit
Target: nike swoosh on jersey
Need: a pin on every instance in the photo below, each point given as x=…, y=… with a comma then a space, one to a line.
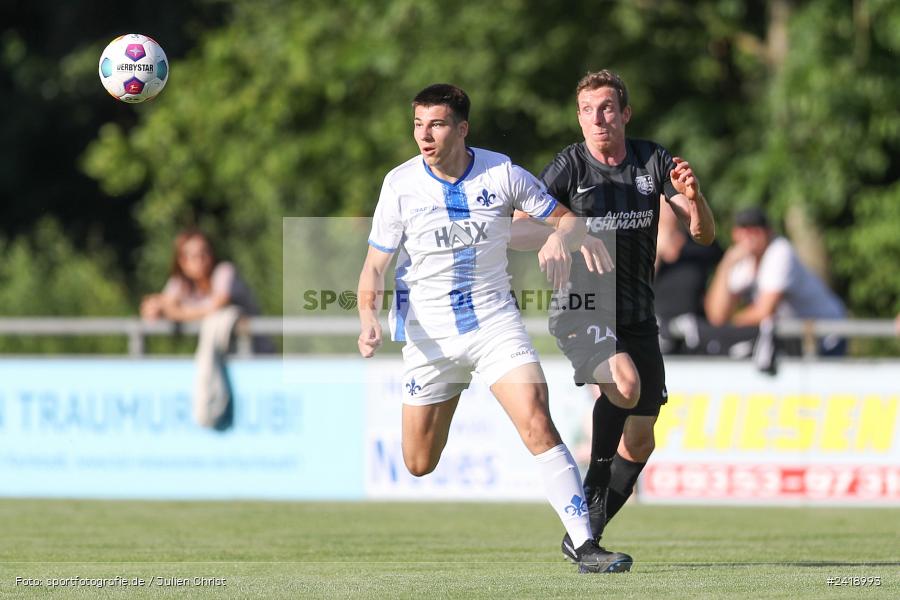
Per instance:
x=582, y=190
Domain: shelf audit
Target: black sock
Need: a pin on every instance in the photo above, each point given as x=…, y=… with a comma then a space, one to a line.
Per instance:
x=608, y=424
x=623, y=475
x=597, y=477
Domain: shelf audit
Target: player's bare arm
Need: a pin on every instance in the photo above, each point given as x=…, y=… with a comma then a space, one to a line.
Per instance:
x=596, y=256
x=528, y=233
x=594, y=251
x=531, y=234
x=555, y=256
x=369, y=294
x=690, y=205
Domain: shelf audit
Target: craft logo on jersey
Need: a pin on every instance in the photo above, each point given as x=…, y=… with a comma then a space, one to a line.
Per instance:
x=411, y=388
x=465, y=233
x=644, y=184
x=423, y=209
x=486, y=198
x=578, y=506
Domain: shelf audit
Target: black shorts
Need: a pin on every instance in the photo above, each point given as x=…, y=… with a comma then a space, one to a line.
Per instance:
x=589, y=343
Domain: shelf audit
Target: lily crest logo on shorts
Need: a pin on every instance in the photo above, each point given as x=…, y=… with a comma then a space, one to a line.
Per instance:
x=411, y=388
x=578, y=506
x=644, y=184
x=486, y=198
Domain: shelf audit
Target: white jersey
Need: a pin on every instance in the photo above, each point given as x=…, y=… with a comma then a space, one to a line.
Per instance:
x=805, y=296
x=452, y=240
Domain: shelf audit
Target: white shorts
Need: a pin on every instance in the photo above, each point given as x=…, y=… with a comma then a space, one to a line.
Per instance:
x=439, y=369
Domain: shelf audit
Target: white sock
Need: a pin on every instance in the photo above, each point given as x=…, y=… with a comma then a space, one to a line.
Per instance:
x=562, y=483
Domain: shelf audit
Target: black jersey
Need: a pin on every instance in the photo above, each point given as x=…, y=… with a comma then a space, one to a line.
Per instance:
x=620, y=203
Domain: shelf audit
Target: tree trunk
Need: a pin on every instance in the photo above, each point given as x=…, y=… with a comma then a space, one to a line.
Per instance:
x=800, y=229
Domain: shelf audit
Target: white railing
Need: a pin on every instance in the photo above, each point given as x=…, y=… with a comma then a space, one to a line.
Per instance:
x=137, y=330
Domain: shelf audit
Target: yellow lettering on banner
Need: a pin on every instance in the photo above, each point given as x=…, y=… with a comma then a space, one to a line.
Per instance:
x=756, y=422
x=670, y=419
x=695, y=437
x=790, y=423
x=728, y=417
x=797, y=422
x=877, y=423
x=838, y=418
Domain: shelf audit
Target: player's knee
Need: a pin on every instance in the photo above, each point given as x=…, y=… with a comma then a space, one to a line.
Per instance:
x=630, y=392
x=419, y=466
x=626, y=382
x=419, y=471
x=639, y=448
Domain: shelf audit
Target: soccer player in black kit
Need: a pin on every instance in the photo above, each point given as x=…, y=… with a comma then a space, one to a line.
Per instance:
x=608, y=329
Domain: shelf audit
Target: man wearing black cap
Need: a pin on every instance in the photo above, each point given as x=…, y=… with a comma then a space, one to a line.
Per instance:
x=763, y=270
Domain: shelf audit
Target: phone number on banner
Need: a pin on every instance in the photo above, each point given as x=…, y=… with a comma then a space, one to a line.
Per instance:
x=770, y=481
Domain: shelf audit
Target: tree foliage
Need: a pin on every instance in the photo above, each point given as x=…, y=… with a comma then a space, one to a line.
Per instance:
x=45, y=275
x=303, y=113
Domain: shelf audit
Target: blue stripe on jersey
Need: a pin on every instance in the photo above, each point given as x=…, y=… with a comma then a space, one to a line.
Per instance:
x=549, y=210
x=401, y=300
x=382, y=248
x=457, y=205
x=461, y=294
x=456, y=202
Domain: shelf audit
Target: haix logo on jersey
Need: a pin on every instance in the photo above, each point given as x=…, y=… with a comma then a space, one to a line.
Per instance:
x=461, y=233
x=626, y=219
x=644, y=184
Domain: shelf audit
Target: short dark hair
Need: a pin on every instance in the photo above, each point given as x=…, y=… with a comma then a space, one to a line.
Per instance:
x=605, y=78
x=752, y=216
x=449, y=95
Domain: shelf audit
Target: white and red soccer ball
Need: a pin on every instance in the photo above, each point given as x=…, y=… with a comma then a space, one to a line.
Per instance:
x=133, y=68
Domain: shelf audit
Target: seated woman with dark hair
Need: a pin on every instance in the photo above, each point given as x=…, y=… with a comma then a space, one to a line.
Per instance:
x=199, y=284
x=202, y=288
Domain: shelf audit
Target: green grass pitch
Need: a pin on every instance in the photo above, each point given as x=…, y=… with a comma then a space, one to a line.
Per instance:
x=438, y=550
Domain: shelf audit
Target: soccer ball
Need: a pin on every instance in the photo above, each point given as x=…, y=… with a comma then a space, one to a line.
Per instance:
x=133, y=68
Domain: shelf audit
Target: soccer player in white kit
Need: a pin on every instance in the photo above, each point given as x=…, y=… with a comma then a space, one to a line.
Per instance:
x=446, y=213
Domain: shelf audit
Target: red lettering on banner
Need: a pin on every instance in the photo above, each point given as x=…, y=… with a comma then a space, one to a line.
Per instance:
x=762, y=481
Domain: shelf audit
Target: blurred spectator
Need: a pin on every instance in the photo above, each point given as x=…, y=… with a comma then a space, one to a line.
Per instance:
x=198, y=284
x=683, y=268
x=763, y=270
x=201, y=287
